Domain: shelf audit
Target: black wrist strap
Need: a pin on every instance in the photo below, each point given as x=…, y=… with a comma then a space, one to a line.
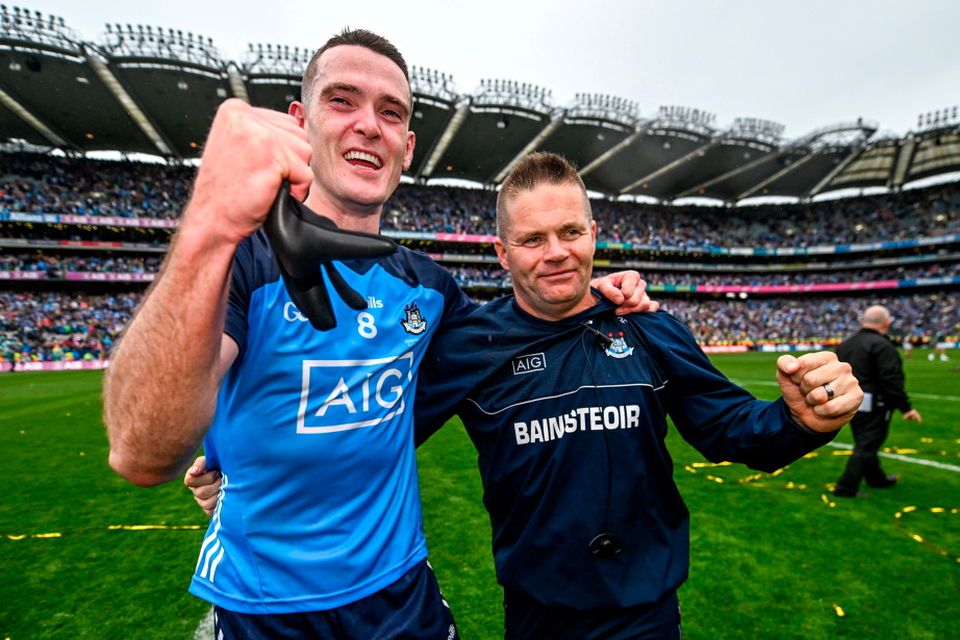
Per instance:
x=305, y=243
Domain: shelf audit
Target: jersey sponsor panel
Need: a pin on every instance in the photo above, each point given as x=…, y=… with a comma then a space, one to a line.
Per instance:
x=580, y=419
x=339, y=395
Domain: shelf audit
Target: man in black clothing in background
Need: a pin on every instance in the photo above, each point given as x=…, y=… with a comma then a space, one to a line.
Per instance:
x=877, y=367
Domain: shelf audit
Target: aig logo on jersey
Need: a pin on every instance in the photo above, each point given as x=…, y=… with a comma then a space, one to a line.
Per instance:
x=340, y=395
x=529, y=363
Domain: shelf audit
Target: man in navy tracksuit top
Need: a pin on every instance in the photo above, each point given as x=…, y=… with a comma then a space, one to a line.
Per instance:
x=566, y=404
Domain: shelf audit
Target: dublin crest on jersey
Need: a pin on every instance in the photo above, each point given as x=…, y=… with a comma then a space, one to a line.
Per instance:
x=414, y=322
x=618, y=348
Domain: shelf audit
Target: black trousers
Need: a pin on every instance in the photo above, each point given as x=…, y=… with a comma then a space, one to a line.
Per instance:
x=526, y=619
x=869, y=432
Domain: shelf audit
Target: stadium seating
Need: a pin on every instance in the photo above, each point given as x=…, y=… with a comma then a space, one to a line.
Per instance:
x=80, y=238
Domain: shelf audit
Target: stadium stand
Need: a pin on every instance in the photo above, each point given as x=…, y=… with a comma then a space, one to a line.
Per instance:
x=81, y=238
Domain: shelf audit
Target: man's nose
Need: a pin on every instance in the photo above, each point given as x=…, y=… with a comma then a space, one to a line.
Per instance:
x=556, y=251
x=366, y=123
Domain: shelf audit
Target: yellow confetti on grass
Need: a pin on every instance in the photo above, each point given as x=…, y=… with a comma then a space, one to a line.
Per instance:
x=153, y=527
x=840, y=612
x=898, y=522
x=112, y=527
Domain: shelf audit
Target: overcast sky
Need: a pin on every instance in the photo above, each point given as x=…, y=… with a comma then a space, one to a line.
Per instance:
x=804, y=64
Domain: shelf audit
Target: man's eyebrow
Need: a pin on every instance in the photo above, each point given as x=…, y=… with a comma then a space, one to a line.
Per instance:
x=343, y=87
x=340, y=87
x=397, y=102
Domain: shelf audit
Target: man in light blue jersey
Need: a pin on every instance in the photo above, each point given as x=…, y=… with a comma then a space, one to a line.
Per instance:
x=219, y=352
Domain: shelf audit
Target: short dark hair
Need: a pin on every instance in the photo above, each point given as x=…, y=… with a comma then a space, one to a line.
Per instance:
x=537, y=168
x=355, y=37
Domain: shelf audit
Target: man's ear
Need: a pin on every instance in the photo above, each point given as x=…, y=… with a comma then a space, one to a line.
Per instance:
x=297, y=110
x=501, y=253
x=408, y=153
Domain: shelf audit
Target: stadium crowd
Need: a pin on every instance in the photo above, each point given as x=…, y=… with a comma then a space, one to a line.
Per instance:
x=65, y=325
x=51, y=326
x=55, y=265
x=48, y=184
x=51, y=184
x=467, y=276
x=918, y=318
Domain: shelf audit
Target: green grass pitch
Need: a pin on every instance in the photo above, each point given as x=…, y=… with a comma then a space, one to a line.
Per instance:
x=772, y=555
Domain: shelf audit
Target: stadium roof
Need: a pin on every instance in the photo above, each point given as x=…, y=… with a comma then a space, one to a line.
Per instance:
x=154, y=90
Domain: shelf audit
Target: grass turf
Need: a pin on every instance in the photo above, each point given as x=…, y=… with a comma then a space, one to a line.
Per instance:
x=773, y=556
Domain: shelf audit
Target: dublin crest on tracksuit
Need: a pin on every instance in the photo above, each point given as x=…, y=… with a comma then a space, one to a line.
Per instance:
x=618, y=348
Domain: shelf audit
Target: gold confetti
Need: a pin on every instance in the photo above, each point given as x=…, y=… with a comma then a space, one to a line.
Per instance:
x=152, y=527
x=112, y=527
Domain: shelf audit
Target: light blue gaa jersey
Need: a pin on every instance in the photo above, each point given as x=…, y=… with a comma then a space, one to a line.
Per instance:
x=314, y=436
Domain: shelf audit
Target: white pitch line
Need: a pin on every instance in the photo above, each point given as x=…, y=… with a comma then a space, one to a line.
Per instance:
x=204, y=630
x=897, y=456
x=933, y=396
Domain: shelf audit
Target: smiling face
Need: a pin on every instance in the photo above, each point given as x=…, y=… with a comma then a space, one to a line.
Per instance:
x=547, y=244
x=357, y=116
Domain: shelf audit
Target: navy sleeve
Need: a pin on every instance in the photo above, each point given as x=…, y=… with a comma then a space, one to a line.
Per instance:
x=721, y=420
x=242, y=283
x=440, y=391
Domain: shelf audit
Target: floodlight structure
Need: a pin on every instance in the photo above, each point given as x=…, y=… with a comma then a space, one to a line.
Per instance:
x=275, y=60
x=938, y=119
x=602, y=106
x=756, y=130
x=684, y=119
x=33, y=27
x=510, y=93
x=144, y=41
x=430, y=82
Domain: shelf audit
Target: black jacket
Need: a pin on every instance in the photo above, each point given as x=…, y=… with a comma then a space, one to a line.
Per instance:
x=877, y=367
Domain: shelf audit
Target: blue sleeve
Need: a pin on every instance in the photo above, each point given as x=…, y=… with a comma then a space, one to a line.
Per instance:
x=721, y=420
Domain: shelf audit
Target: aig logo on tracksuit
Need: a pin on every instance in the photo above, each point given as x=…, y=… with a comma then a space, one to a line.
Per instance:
x=529, y=363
